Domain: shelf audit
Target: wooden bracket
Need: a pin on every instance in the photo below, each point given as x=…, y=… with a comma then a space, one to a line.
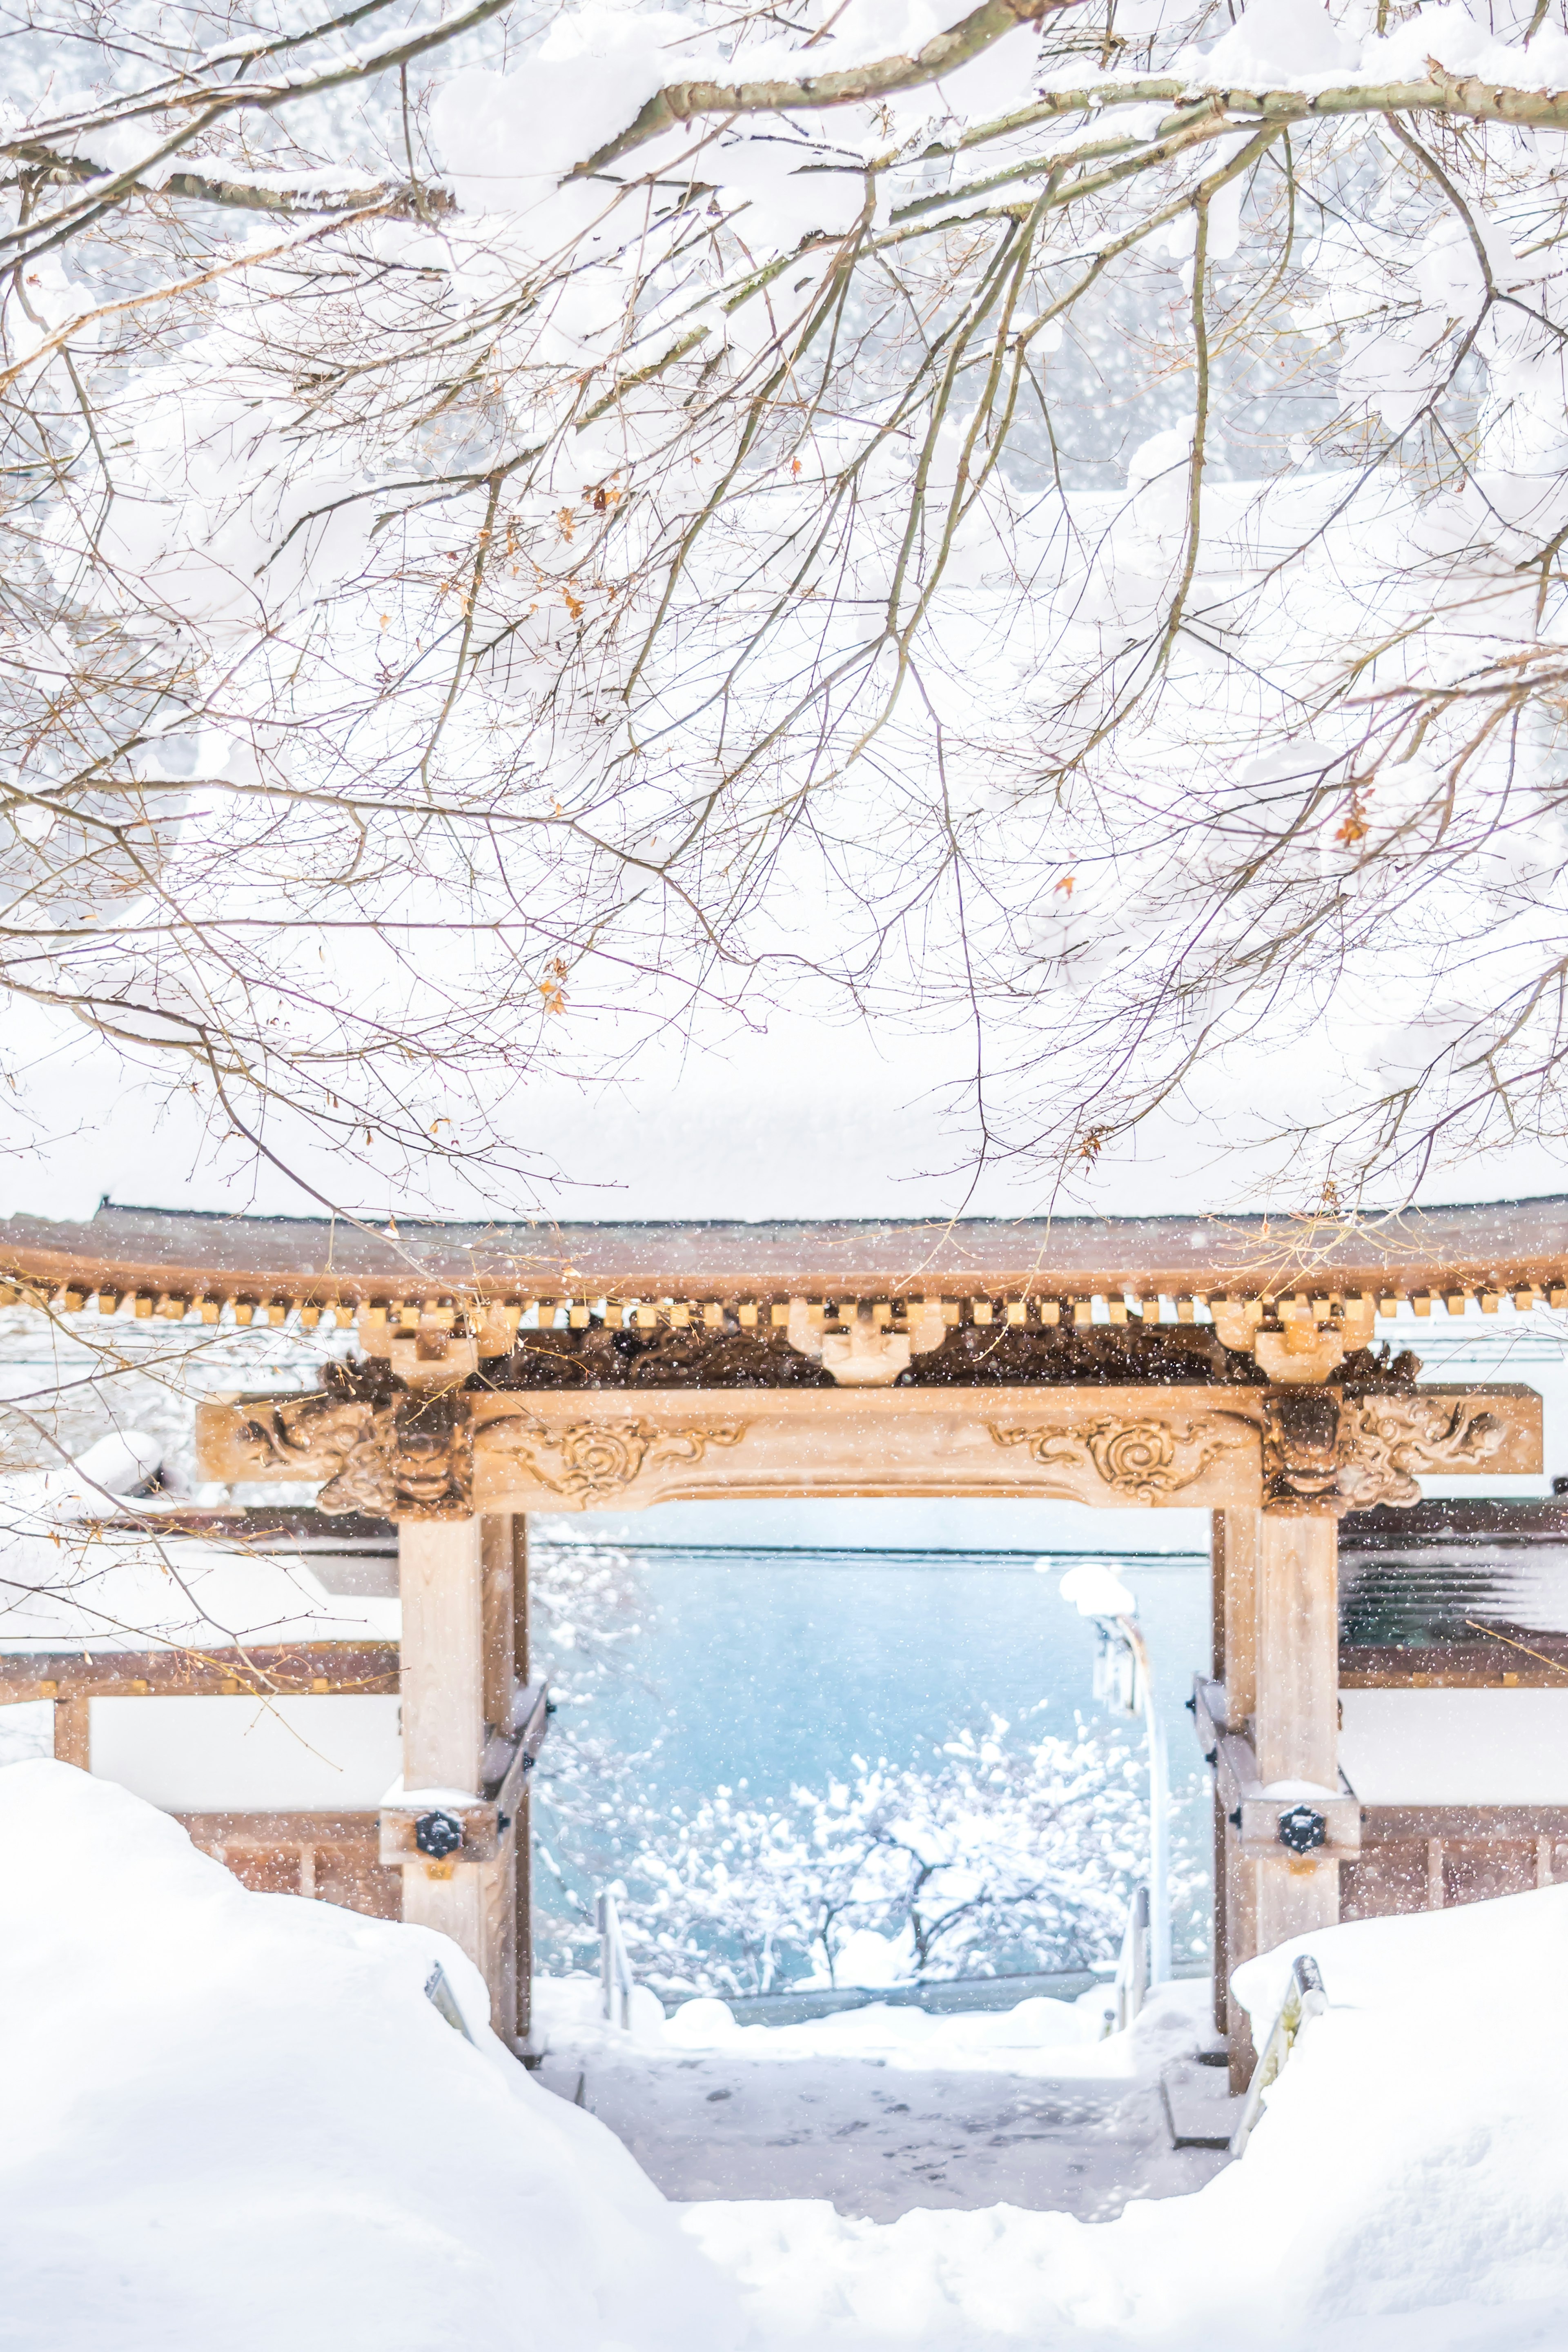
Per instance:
x=486, y=1821
x=1241, y=1791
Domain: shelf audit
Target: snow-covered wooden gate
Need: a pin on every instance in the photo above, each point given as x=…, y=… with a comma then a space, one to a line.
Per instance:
x=1151, y=1364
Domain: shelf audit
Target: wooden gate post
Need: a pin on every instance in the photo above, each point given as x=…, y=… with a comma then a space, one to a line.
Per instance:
x=522, y=1842
x=1236, y=1538
x=73, y=1732
x=1297, y=1708
x=455, y=1577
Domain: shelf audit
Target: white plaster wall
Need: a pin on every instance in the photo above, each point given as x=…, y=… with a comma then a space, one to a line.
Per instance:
x=330, y=1754
x=1456, y=1747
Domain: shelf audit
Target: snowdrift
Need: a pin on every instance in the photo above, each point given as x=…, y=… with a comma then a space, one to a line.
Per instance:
x=1406, y=2189
x=234, y=2120
x=235, y=2123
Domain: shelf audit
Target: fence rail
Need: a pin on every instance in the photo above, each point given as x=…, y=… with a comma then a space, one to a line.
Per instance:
x=1132, y=1968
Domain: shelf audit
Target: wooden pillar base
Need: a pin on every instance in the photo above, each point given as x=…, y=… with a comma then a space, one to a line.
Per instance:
x=1241, y=1943
x=474, y=1902
x=1294, y=1898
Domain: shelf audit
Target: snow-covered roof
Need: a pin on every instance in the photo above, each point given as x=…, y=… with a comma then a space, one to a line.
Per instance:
x=1497, y=1247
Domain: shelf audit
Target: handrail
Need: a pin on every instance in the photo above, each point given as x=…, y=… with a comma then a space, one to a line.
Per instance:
x=614, y=1966
x=1304, y=2000
x=444, y=2001
x=1157, y=1895
x=1132, y=1980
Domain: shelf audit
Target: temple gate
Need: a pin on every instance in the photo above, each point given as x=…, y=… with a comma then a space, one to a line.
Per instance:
x=1150, y=1363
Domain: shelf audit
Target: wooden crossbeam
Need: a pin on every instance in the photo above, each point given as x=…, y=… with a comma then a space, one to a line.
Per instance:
x=1388, y=1824
x=273, y=1831
x=1128, y=1445
x=275, y=1670
x=1520, y=1660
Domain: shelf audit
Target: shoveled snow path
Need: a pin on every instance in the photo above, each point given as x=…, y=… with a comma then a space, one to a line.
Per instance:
x=883, y=2110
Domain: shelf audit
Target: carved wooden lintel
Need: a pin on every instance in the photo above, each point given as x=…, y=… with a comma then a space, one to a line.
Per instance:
x=1293, y=1449
x=492, y=1450
x=1386, y=1440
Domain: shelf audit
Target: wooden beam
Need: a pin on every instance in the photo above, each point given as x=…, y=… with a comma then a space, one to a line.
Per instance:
x=327, y=1857
x=270, y=1669
x=1518, y=1659
x=1460, y=1825
x=1139, y=1445
x=283, y=1828
x=1142, y=1444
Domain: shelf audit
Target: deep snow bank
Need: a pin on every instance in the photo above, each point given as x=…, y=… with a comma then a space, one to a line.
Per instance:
x=1406, y=2191
x=233, y=2123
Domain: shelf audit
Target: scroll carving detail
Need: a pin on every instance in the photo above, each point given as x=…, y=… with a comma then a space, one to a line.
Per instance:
x=591, y=1460
x=1139, y=1461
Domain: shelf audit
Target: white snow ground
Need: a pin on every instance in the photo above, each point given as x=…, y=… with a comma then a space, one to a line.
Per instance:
x=234, y=2120
x=881, y=2110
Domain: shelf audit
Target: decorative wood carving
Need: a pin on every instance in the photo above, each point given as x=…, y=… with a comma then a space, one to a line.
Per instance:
x=432, y=1463
x=1001, y=1354
x=1142, y=1461
x=593, y=1462
x=408, y=1457
x=1326, y=1453
x=1385, y=1441
x=1300, y=1449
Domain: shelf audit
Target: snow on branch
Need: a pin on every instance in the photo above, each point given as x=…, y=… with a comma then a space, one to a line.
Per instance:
x=1029, y=529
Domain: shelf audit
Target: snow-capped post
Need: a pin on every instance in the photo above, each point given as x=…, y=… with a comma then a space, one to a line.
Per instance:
x=1095, y=1591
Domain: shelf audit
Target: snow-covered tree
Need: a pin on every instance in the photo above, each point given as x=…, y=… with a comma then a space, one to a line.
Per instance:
x=1006, y=1851
x=590, y=1798
x=527, y=525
